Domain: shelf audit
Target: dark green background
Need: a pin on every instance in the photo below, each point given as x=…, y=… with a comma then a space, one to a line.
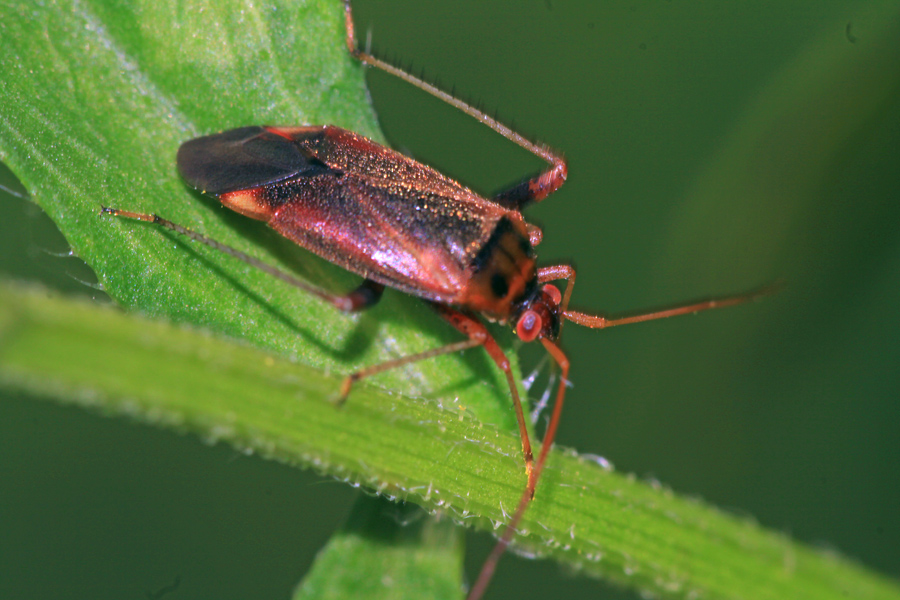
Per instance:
x=713, y=147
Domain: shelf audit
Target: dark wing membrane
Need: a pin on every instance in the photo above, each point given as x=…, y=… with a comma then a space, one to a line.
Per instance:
x=412, y=239
x=241, y=159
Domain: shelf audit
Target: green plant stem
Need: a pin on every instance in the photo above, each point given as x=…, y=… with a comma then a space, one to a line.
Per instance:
x=608, y=524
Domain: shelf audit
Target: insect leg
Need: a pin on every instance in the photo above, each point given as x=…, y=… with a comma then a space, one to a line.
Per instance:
x=366, y=295
x=487, y=569
x=404, y=360
x=555, y=273
x=473, y=328
x=535, y=189
x=478, y=336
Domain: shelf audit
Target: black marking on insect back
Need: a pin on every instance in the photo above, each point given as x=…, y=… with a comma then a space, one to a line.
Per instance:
x=241, y=159
x=499, y=285
x=503, y=272
x=504, y=226
x=526, y=247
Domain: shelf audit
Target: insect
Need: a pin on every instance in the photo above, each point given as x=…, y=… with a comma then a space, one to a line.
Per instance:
x=401, y=224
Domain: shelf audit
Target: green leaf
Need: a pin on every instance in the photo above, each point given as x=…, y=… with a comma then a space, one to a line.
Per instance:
x=608, y=524
x=397, y=540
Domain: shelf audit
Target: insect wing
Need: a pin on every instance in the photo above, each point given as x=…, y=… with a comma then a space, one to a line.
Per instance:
x=353, y=202
x=239, y=159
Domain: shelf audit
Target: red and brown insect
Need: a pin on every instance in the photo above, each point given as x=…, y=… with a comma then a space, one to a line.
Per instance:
x=399, y=223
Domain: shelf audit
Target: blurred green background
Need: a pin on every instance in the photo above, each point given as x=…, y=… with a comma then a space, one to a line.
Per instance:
x=712, y=148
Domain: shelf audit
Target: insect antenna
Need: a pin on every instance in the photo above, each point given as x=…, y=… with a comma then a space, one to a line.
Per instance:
x=600, y=321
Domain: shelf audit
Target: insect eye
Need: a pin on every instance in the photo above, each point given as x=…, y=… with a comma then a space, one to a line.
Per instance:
x=553, y=292
x=529, y=326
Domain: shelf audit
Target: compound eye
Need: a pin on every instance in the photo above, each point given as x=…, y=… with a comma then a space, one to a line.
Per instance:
x=529, y=326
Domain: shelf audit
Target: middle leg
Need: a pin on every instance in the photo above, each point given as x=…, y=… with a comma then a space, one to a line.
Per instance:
x=477, y=335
